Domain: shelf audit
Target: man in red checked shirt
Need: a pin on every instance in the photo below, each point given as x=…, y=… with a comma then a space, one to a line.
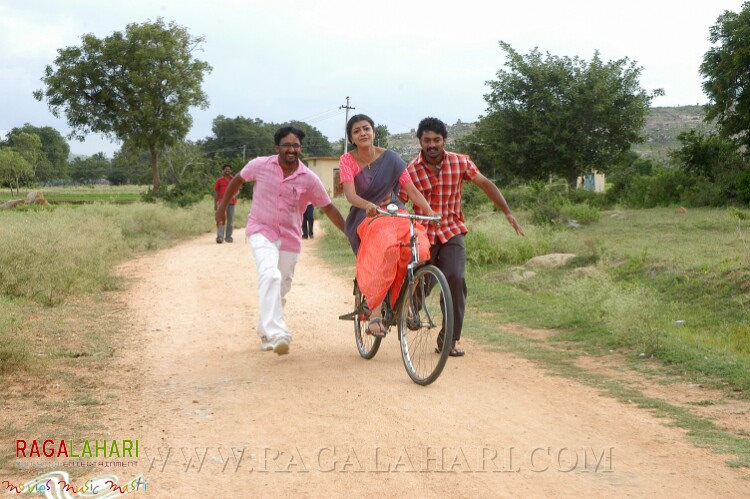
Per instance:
x=224, y=232
x=439, y=175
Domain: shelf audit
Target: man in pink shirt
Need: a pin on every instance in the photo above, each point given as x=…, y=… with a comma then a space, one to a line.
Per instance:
x=283, y=187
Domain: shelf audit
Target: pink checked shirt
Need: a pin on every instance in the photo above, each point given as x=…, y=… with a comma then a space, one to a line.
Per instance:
x=278, y=202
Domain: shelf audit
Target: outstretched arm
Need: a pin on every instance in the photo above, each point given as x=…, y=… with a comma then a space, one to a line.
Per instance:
x=418, y=198
x=496, y=196
x=232, y=189
x=334, y=215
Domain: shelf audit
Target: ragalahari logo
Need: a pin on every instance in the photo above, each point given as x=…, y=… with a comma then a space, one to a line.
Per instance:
x=76, y=448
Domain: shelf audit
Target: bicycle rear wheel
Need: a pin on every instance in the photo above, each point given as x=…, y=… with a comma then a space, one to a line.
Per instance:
x=426, y=324
x=367, y=344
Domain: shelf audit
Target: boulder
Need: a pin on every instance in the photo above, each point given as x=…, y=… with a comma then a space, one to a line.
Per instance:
x=518, y=274
x=33, y=197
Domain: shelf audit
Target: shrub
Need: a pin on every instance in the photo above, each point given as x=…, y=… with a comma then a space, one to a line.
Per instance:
x=49, y=254
x=581, y=213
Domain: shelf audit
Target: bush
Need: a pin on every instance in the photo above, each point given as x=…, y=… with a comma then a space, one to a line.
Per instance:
x=489, y=243
x=581, y=213
x=49, y=254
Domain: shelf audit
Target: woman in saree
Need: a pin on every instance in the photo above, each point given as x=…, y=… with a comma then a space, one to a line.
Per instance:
x=372, y=177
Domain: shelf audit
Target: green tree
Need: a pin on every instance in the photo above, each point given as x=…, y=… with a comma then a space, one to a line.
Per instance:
x=381, y=136
x=136, y=85
x=132, y=164
x=706, y=155
x=551, y=115
x=29, y=146
x=13, y=167
x=315, y=143
x=726, y=72
x=252, y=136
x=55, y=147
x=234, y=136
x=381, y=140
x=91, y=169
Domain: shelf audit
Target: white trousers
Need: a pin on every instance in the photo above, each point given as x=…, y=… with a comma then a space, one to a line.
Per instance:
x=275, y=273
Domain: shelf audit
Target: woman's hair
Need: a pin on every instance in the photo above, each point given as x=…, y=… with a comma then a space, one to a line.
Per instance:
x=286, y=130
x=353, y=120
x=432, y=125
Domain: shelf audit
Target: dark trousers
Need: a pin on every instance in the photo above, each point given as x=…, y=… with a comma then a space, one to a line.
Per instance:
x=307, y=221
x=450, y=258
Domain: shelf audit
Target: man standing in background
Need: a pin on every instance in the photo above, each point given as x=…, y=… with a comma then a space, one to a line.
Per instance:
x=224, y=231
x=308, y=219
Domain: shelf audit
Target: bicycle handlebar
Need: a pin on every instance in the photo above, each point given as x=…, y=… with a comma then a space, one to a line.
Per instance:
x=392, y=211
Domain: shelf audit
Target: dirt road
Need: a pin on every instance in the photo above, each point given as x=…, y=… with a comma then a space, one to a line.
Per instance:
x=321, y=421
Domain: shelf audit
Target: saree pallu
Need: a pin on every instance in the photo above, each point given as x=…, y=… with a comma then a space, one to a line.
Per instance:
x=383, y=255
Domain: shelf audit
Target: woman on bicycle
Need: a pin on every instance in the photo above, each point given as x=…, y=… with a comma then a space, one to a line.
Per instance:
x=372, y=177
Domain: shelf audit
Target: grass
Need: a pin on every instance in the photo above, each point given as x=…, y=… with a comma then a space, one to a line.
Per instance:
x=59, y=325
x=93, y=193
x=335, y=245
x=50, y=255
x=701, y=431
x=636, y=274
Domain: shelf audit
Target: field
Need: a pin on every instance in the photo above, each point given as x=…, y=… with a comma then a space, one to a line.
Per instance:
x=83, y=194
x=95, y=331
x=651, y=284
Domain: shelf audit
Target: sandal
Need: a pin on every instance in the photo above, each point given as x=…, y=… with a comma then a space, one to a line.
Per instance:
x=378, y=332
x=455, y=351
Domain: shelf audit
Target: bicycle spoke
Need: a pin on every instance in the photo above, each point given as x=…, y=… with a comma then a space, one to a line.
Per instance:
x=429, y=310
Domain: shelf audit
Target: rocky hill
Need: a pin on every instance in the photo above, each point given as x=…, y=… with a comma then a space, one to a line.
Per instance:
x=663, y=124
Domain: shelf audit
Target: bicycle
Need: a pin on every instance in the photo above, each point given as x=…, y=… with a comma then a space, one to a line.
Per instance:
x=422, y=313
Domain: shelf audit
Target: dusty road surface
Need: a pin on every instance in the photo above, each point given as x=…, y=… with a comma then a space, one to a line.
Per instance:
x=217, y=417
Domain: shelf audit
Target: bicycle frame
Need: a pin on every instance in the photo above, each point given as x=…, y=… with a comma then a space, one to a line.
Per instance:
x=392, y=211
x=390, y=318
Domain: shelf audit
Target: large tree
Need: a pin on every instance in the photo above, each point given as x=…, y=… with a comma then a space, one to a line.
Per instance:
x=551, y=115
x=29, y=146
x=13, y=167
x=235, y=137
x=90, y=169
x=726, y=72
x=136, y=86
x=315, y=143
x=54, y=146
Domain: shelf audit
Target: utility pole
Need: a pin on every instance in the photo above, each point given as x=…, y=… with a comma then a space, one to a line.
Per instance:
x=244, y=147
x=346, y=120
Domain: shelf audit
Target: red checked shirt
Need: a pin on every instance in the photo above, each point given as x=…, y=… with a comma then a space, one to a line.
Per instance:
x=443, y=192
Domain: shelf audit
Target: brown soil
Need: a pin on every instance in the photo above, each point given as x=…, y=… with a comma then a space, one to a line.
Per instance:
x=322, y=421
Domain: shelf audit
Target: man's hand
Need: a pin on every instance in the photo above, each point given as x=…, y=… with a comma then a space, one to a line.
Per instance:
x=433, y=214
x=221, y=216
x=514, y=223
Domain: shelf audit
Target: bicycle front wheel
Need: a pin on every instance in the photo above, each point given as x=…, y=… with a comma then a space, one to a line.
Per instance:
x=426, y=325
x=367, y=344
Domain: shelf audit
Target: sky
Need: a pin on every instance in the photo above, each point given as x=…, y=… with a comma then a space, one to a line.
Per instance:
x=397, y=61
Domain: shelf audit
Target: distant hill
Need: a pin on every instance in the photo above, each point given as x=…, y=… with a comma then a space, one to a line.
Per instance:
x=663, y=124
x=407, y=145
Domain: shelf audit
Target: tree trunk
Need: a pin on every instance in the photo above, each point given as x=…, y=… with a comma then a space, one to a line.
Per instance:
x=155, y=168
x=572, y=180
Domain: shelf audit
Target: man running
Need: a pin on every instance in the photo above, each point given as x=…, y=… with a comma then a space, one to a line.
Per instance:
x=283, y=187
x=439, y=175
